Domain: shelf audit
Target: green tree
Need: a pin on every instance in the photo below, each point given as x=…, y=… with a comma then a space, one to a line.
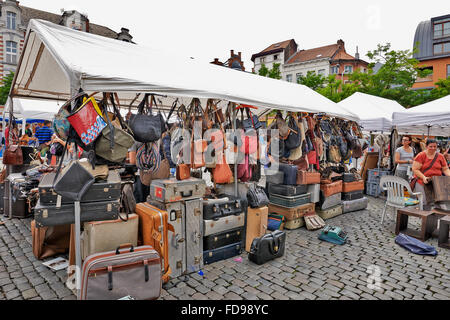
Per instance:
x=263, y=71
x=4, y=90
x=312, y=80
x=275, y=72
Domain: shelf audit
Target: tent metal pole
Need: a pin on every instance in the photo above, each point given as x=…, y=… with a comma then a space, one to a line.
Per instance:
x=235, y=156
x=9, y=166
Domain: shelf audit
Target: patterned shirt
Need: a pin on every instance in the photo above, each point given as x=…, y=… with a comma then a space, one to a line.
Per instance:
x=44, y=134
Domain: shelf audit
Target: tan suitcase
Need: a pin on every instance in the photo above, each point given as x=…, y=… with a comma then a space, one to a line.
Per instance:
x=330, y=213
x=256, y=224
x=50, y=241
x=102, y=236
x=292, y=213
x=353, y=186
x=294, y=224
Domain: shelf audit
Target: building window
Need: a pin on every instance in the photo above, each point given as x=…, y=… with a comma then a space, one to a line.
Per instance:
x=441, y=29
x=275, y=57
x=289, y=77
x=11, y=20
x=448, y=70
x=11, y=52
x=299, y=75
x=334, y=70
x=442, y=48
x=427, y=78
x=321, y=72
x=348, y=69
x=261, y=60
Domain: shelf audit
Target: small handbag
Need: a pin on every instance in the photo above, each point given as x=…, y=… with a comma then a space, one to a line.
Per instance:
x=256, y=197
x=268, y=247
x=293, y=141
x=13, y=155
x=183, y=171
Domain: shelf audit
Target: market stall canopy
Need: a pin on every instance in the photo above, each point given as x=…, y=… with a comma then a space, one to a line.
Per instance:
x=58, y=59
x=34, y=108
x=375, y=112
x=431, y=117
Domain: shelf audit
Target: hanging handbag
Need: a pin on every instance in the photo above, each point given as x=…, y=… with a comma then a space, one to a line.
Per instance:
x=61, y=125
x=183, y=171
x=13, y=155
x=256, y=196
x=244, y=171
x=146, y=127
x=293, y=140
x=73, y=181
x=268, y=247
x=252, y=121
x=222, y=173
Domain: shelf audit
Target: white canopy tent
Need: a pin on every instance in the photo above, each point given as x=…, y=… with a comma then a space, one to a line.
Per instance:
x=97, y=64
x=429, y=118
x=34, y=108
x=375, y=112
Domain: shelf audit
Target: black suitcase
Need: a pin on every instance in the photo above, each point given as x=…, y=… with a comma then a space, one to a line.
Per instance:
x=290, y=173
x=222, y=253
x=348, y=177
x=106, y=190
x=290, y=201
x=224, y=205
x=287, y=190
x=354, y=195
x=222, y=239
x=20, y=207
x=27, y=152
x=48, y=216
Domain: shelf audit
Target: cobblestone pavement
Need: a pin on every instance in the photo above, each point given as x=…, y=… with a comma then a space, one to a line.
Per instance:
x=309, y=269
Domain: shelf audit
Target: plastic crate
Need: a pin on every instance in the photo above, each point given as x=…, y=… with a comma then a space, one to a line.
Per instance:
x=374, y=175
x=373, y=189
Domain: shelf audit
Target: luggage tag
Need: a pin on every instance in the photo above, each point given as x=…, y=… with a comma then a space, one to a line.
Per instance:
x=58, y=201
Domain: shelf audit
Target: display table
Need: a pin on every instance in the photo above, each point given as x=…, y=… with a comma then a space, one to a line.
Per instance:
x=428, y=221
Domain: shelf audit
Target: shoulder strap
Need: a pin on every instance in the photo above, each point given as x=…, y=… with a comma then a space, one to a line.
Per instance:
x=432, y=163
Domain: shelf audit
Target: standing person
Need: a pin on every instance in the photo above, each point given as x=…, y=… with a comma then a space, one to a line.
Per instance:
x=427, y=164
x=28, y=131
x=140, y=190
x=44, y=135
x=404, y=158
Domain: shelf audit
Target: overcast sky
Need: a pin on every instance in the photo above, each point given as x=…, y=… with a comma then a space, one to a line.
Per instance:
x=209, y=29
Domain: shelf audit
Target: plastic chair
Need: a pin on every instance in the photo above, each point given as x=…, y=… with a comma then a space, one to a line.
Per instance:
x=395, y=190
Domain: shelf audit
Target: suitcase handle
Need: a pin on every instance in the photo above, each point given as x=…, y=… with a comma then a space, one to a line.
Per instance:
x=185, y=195
x=123, y=246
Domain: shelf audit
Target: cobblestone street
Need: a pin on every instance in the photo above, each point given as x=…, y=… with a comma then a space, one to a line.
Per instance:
x=309, y=269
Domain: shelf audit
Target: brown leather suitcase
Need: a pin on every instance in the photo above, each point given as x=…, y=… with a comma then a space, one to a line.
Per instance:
x=441, y=186
x=256, y=224
x=353, y=186
x=292, y=213
x=305, y=177
x=153, y=231
x=50, y=241
x=331, y=188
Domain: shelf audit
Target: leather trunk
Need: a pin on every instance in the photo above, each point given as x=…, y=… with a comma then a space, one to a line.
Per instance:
x=106, y=190
x=224, y=205
x=330, y=213
x=223, y=224
x=441, y=186
x=50, y=241
x=354, y=195
x=194, y=235
x=292, y=213
x=276, y=177
x=290, y=173
x=222, y=253
x=329, y=202
x=268, y=247
x=172, y=190
x=20, y=207
x=294, y=224
x=353, y=186
x=102, y=236
x=287, y=190
x=153, y=231
x=290, y=202
x=348, y=177
x=114, y=275
x=222, y=239
x=331, y=188
x=355, y=205
x=256, y=225
x=46, y=216
x=305, y=177
x=314, y=189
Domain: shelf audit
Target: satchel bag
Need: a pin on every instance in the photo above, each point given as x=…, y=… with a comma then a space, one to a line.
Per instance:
x=252, y=121
x=13, y=155
x=293, y=141
x=162, y=172
x=73, y=181
x=222, y=172
x=146, y=127
x=256, y=197
x=148, y=156
x=183, y=171
x=413, y=182
x=268, y=247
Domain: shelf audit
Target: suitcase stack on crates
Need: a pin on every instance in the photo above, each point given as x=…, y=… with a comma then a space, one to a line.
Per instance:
x=352, y=194
x=330, y=204
x=224, y=227
x=179, y=203
x=373, y=181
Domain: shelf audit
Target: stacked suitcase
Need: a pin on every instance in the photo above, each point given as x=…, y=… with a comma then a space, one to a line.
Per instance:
x=181, y=201
x=330, y=204
x=353, y=195
x=224, y=225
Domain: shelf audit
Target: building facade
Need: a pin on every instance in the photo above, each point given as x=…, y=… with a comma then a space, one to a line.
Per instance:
x=432, y=40
x=275, y=53
x=14, y=20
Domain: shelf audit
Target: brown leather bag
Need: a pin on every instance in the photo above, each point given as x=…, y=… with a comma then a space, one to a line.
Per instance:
x=222, y=173
x=353, y=186
x=13, y=155
x=50, y=241
x=163, y=172
x=183, y=172
x=304, y=177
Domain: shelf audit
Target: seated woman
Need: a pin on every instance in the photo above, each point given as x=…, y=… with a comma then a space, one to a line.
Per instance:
x=404, y=158
x=426, y=165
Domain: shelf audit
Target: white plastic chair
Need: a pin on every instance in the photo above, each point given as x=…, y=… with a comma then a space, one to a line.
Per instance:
x=395, y=190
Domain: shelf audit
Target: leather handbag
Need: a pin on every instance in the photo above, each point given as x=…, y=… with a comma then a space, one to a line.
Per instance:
x=252, y=121
x=13, y=155
x=256, y=196
x=222, y=172
x=293, y=140
x=244, y=171
x=61, y=125
x=282, y=126
x=183, y=171
x=268, y=247
x=73, y=181
x=162, y=172
x=146, y=127
x=50, y=241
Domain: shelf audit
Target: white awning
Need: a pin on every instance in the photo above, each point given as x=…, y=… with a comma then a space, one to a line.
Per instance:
x=34, y=108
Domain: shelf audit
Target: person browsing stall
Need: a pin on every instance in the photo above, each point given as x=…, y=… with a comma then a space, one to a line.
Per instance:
x=44, y=136
x=404, y=158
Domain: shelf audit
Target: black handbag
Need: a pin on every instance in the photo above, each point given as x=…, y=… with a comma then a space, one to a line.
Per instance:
x=73, y=181
x=147, y=127
x=268, y=247
x=293, y=140
x=256, y=197
x=252, y=121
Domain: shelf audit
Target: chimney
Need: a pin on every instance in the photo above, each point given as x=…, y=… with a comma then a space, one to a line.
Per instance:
x=239, y=54
x=357, y=53
x=232, y=53
x=341, y=43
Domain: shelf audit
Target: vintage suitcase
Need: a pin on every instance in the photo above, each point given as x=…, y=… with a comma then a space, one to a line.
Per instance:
x=292, y=213
x=276, y=177
x=330, y=201
x=290, y=202
x=305, y=177
x=20, y=207
x=287, y=190
x=50, y=241
x=290, y=173
x=106, y=190
x=194, y=235
x=331, y=188
x=112, y=275
x=222, y=239
x=441, y=187
x=294, y=224
x=355, y=205
x=314, y=189
x=223, y=224
x=354, y=195
x=330, y=213
x=154, y=231
x=224, y=205
x=222, y=253
x=268, y=247
x=257, y=219
x=172, y=190
x=46, y=216
x=348, y=177
x=353, y=186
x=2, y=195
x=102, y=236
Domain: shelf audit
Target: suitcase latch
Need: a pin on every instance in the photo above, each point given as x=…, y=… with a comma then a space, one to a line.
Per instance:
x=197, y=212
x=45, y=213
x=109, y=207
x=105, y=189
x=226, y=206
x=197, y=259
x=179, y=264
